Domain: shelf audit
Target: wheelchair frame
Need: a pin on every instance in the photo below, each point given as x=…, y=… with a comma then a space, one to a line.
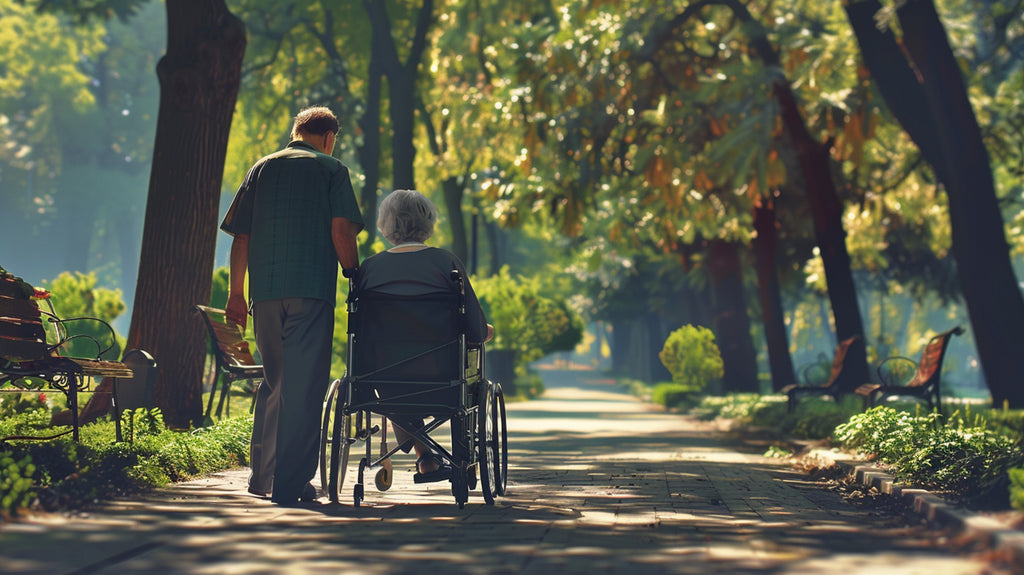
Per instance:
x=473, y=406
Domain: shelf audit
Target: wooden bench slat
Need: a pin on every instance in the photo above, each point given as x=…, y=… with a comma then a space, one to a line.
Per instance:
x=8, y=288
x=22, y=349
x=100, y=368
x=13, y=329
x=16, y=307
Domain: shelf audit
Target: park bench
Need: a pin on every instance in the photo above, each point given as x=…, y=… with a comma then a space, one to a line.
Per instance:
x=28, y=361
x=233, y=361
x=833, y=386
x=925, y=384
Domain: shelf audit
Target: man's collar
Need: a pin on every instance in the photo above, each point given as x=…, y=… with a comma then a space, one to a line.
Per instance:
x=301, y=144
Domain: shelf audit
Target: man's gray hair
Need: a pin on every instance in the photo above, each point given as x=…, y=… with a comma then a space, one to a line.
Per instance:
x=406, y=216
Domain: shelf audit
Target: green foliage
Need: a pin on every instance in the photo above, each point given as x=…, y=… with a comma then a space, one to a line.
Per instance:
x=84, y=10
x=524, y=319
x=1017, y=488
x=1007, y=422
x=777, y=452
x=15, y=482
x=220, y=287
x=691, y=356
x=957, y=456
x=738, y=406
x=77, y=296
x=528, y=385
x=676, y=395
x=62, y=474
x=12, y=404
x=813, y=418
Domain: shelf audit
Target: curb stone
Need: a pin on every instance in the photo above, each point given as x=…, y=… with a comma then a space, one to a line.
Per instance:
x=1004, y=541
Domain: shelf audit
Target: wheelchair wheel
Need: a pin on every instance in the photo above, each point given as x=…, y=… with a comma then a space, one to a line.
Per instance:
x=485, y=440
x=500, y=442
x=334, y=442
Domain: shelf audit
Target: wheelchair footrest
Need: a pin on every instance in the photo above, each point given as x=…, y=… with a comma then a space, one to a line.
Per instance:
x=443, y=474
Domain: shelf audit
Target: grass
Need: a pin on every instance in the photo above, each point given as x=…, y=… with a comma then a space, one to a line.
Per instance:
x=969, y=453
x=61, y=474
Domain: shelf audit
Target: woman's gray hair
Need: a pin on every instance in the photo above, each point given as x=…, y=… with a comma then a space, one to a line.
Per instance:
x=406, y=216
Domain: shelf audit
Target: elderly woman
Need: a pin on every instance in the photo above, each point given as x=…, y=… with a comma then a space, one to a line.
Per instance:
x=406, y=219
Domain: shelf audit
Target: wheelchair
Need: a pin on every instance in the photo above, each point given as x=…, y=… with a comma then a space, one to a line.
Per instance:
x=408, y=363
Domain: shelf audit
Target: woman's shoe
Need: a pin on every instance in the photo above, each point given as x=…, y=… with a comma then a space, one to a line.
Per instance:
x=441, y=472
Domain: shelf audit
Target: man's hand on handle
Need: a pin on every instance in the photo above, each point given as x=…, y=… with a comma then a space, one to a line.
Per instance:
x=237, y=312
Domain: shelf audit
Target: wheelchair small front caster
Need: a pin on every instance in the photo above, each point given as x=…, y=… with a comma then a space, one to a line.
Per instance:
x=384, y=476
x=357, y=494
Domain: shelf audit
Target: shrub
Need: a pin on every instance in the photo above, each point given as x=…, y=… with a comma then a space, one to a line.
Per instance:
x=812, y=419
x=63, y=474
x=691, y=356
x=16, y=488
x=957, y=456
x=1017, y=488
x=525, y=320
x=220, y=286
x=77, y=295
x=1008, y=422
x=678, y=395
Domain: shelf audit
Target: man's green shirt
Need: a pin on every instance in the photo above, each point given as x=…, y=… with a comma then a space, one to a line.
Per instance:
x=285, y=206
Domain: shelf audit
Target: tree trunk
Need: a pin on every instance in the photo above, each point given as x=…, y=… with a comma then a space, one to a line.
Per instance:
x=830, y=236
x=826, y=209
x=731, y=323
x=401, y=85
x=779, y=360
x=496, y=240
x=369, y=151
x=930, y=100
x=453, y=193
x=657, y=334
x=199, y=78
x=618, y=345
x=982, y=254
x=895, y=78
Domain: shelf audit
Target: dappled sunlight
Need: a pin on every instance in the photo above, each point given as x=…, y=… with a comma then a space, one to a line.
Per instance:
x=593, y=488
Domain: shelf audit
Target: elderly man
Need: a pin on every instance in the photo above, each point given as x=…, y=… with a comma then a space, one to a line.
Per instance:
x=293, y=219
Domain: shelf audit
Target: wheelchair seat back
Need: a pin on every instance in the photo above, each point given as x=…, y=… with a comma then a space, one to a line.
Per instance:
x=407, y=353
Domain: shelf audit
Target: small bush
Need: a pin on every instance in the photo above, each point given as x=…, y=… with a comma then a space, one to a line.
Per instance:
x=812, y=419
x=675, y=395
x=525, y=319
x=637, y=388
x=528, y=385
x=1017, y=488
x=78, y=295
x=691, y=356
x=16, y=486
x=63, y=474
x=961, y=458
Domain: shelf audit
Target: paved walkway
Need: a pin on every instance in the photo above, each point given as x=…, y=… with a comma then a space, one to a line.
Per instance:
x=599, y=483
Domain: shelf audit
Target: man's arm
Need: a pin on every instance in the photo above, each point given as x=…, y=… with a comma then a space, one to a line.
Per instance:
x=237, y=311
x=343, y=234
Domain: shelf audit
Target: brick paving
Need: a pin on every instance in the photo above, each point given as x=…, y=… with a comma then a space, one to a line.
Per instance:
x=599, y=483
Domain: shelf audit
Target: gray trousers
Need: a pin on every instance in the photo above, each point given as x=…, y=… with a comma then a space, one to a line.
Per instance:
x=294, y=336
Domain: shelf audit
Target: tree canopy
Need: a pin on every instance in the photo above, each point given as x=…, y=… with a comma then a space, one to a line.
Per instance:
x=622, y=142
